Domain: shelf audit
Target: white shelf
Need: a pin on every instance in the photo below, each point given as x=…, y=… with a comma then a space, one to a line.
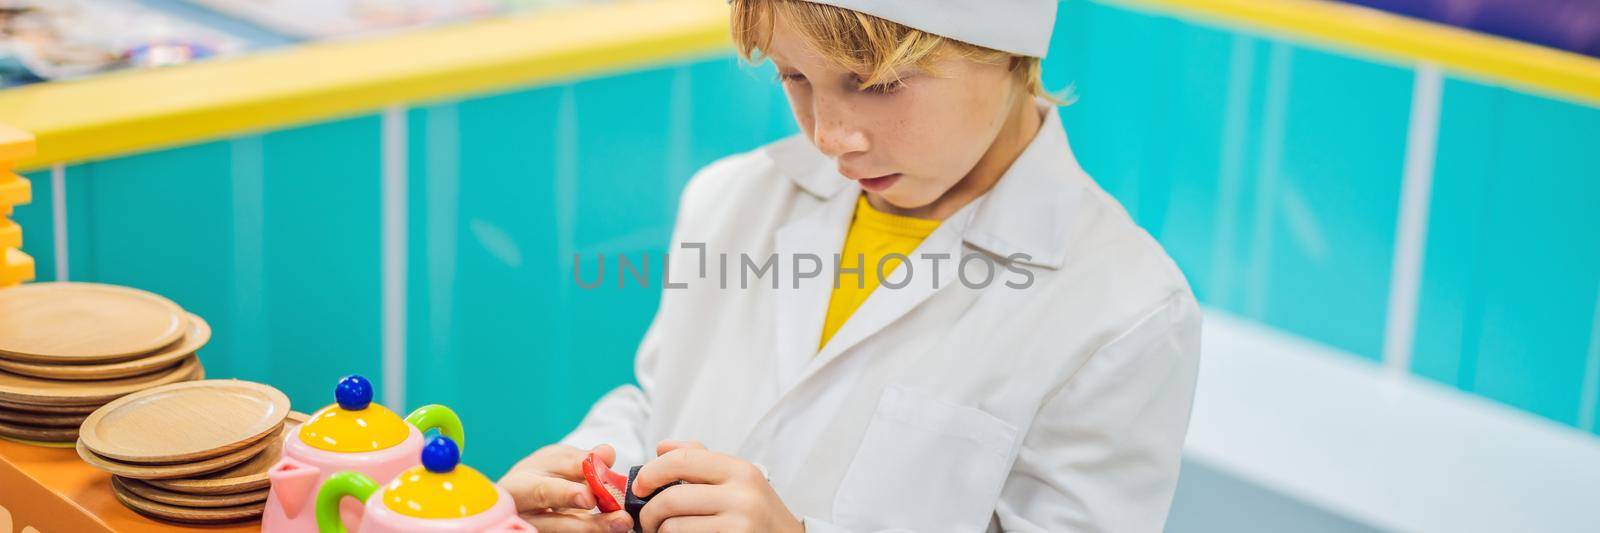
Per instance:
x=1393, y=451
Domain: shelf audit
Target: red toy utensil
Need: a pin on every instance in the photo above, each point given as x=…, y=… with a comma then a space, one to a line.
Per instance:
x=609, y=488
x=613, y=491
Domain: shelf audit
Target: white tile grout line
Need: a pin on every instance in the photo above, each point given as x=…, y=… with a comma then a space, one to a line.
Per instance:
x=58, y=219
x=1274, y=122
x=564, y=188
x=249, y=344
x=1590, y=393
x=395, y=217
x=680, y=124
x=1411, y=228
x=1236, y=117
x=441, y=212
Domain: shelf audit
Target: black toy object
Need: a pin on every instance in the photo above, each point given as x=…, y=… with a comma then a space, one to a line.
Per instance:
x=609, y=487
x=634, y=504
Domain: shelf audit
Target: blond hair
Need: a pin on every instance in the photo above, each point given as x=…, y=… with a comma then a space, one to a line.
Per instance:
x=871, y=47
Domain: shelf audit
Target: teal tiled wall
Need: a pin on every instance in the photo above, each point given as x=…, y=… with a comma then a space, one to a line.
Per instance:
x=486, y=283
x=270, y=238
x=1512, y=275
x=506, y=189
x=1270, y=170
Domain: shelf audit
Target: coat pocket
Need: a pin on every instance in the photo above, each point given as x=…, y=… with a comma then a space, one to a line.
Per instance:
x=925, y=465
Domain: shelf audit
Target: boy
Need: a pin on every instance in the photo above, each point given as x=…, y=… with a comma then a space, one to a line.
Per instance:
x=996, y=346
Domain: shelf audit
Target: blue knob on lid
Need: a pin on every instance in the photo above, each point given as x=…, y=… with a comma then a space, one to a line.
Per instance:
x=354, y=392
x=441, y=455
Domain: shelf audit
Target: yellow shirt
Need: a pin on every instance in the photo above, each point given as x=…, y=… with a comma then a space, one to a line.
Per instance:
x=873, y=235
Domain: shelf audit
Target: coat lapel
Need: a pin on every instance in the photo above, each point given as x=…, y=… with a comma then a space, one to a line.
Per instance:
x=803, y=303
x=886, y=304
x=1027, y=215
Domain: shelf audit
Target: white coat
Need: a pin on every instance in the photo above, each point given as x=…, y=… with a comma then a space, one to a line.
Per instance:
x=1059, y=406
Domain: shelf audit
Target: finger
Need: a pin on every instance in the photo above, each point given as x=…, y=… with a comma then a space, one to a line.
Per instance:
x=554, y=522
x=684, y=524
x=550, y=460
x=578, y=522
x=669, y=445
x=683, y=500
x=619, y=521
x=570, y=464
x=692, y=465
x=606, y=453
x=535, y=491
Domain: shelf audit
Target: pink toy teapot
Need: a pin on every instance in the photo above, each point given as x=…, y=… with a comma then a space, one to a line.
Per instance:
x=353, y=434
x=440, y=496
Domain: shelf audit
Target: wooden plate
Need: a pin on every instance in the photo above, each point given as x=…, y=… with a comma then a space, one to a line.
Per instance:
x=70, y=322
x=51, y=409
x=49, y=420
x=138, y=471
x=247, y=476
x=158, y=495
x=35, y=433
x=39, y=443
x=198, y=334
x=190, y=515
x=185, y=421
x=31, y=390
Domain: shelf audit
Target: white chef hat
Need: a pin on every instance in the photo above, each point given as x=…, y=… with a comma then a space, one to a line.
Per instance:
x=1020, y=27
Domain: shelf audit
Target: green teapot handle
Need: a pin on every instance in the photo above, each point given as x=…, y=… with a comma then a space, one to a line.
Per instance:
x=333, y=491
x=441, y=418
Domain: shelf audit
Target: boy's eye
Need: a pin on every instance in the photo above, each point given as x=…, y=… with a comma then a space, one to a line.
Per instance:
x=782, y=77
x=884, y=88
x=889, y=87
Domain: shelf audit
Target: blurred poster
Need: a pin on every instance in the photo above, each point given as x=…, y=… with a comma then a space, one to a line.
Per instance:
x=65, y=39
x=333, y=19
x=1572, y=25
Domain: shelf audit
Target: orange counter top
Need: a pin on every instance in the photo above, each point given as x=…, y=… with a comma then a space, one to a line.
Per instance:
x=52, y=490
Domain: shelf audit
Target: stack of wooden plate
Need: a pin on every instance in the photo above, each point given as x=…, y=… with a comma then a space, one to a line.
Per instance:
x=190, y=452
x=69, y=348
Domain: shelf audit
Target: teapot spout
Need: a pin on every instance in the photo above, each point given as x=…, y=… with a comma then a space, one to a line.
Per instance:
x=293, y=483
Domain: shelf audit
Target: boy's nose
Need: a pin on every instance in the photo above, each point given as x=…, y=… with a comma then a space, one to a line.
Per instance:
x=836, y=137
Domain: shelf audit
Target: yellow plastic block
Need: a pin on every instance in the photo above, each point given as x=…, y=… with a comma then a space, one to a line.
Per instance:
x=15, y=192
x=15, y=144
x=10, y=234
x=15, y=267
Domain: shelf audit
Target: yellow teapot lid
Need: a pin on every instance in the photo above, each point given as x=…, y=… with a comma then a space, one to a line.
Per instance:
x=441, y=487
x=354, y=424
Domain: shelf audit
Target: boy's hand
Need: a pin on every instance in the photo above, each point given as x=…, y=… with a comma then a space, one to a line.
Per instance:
x=550, y=493
x=724, y=493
